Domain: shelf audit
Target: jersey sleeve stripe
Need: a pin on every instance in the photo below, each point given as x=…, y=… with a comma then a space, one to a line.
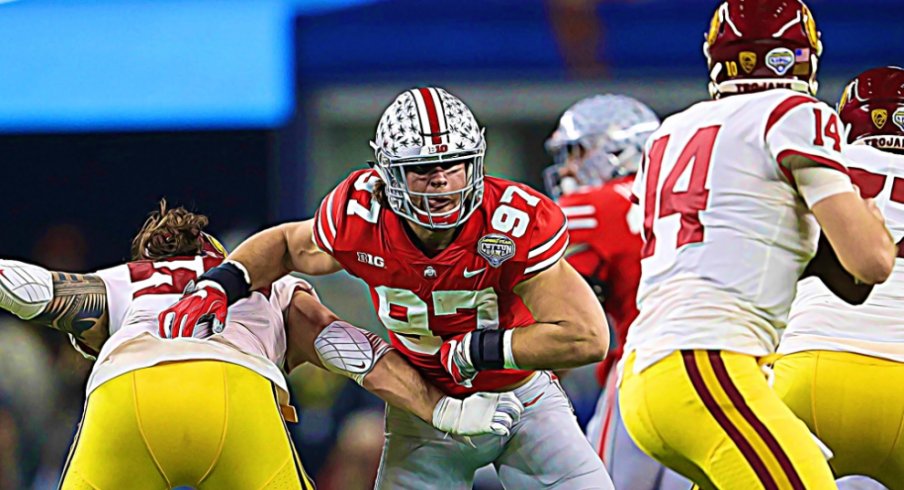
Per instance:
x=329, y=214
x=540, y=266
x=549, y=243
x=816, y=158
x=783, y=108
x=320, y=237
x=578, y=210
x=582, y=224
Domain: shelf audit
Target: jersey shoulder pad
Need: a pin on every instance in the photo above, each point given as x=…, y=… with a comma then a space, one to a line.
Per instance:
x=535, y=223
x=347, y=211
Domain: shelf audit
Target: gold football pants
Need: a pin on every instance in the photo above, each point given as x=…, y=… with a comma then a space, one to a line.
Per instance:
x=853, y=403
x=205, y=424
x=711, y=416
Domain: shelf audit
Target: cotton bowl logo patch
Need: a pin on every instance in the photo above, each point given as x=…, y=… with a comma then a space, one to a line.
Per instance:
x=880, y=117
x=898, y=118
x=780, y=60
x=496, y=248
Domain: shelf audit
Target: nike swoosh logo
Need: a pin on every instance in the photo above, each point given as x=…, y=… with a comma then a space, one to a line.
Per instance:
x=535, y=400
x=357, y=366
x=473, y=273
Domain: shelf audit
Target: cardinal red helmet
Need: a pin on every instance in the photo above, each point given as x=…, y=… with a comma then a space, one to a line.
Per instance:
x=872, y=108
x=755, y=45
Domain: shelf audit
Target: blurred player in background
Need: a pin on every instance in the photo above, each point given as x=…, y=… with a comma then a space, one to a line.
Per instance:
x=466, y=274
x=843, y=365
x=597, y=149
x=207, y=413
x=729, y=189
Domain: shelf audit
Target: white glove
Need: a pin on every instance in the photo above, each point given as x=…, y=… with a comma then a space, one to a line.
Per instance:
x=25, y=289
x=478, y=414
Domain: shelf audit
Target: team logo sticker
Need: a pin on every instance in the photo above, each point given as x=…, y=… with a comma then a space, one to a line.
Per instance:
x=496, y=248
x=898, y=118
x=880, y=117
x=747, y=60
x=780, y=60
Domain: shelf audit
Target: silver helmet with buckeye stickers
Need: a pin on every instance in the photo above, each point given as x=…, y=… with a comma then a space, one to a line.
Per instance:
x=603, y=136
x=428, y=126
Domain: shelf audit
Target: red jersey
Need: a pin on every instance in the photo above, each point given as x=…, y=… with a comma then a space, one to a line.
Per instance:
x=423, y=300
x=605, y=248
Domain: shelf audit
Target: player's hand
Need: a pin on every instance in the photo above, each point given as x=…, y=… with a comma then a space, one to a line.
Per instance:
x=200, y=312
x=478, y=414
x=455, y=355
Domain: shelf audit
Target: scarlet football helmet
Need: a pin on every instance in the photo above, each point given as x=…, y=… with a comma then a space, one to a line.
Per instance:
x=872, y=108
x=425, y=126
x=754, y=45
x=610, y=131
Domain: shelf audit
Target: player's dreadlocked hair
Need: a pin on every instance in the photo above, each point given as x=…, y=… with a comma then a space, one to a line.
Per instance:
x=169, y=233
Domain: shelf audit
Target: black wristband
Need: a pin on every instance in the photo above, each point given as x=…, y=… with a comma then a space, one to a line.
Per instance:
x=486, y=350
x=231, y=278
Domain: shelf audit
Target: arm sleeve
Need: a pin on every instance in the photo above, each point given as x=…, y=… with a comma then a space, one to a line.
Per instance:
x=815, y=183
x=118, y=282
x=805, y=127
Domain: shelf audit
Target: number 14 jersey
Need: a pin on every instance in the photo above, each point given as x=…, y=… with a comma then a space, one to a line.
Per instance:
x=423, y=300
x=726, y=234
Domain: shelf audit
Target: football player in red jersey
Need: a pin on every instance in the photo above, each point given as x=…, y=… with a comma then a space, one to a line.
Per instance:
x=597, y=149
x=465, y=272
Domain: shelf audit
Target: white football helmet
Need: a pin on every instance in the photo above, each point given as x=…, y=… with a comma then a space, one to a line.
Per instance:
x=610, y=129
x=424, y=126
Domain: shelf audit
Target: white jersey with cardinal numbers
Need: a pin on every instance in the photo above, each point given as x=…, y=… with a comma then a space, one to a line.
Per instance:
x=254, y=336
x=726, y=233
x=821, y=321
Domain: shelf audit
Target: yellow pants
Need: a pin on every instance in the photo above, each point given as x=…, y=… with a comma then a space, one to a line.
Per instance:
x=854, y=404
x=711, y=416
x=205, y=424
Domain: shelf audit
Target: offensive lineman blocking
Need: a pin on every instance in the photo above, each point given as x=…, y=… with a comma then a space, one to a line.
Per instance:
x=460, y=268
x=727, y=190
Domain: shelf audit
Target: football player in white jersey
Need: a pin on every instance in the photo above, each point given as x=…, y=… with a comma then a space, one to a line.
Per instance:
x=843, y=365
x=209, y=413
x=733, y=193
x=597, y=149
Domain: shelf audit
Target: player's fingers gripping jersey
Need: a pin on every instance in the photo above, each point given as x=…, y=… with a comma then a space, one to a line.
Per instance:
x=422, y=300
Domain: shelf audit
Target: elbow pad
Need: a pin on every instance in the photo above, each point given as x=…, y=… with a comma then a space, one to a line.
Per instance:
x=25, y=289
x=349, y=350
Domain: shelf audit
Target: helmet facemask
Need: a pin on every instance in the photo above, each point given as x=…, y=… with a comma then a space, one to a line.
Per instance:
x=414, y=205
